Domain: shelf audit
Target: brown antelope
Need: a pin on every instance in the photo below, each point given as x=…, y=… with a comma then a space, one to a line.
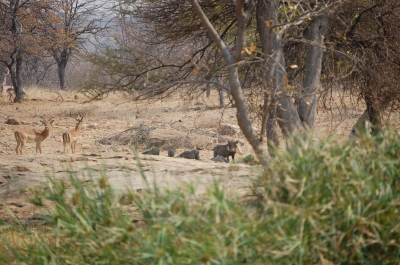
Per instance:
x=25, y=134
x=71, y=137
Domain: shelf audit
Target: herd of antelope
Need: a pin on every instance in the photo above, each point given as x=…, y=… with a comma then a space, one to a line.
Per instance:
x=69, y=137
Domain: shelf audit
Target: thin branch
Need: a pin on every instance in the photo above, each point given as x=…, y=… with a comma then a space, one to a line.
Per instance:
x=160, y=88
x=300, y=20
x=211, y=30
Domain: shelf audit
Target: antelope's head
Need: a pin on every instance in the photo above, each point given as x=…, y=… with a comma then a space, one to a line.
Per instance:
x=47, y=123
x=77, y=119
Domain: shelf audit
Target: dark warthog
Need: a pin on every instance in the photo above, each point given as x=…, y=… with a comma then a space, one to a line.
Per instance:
x=194, y=154
x=153, y=151
x=226, y=150
x=171, y=152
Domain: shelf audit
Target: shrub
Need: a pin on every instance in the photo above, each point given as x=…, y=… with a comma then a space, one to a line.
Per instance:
x=321, y=203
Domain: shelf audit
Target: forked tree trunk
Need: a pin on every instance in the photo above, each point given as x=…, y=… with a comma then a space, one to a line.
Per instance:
x=275, y=73
x=16, y=79
x=315, y=50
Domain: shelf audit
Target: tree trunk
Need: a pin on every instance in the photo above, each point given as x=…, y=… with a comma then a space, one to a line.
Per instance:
x=221, y=97
x=62, y=64
x=288, y=118
x=374, y=113
x=243, y=117
x=308, y=98
x=233, y=75
x=208, y=86
x=208, y=90
x=17, y=80
x=271, y=130
x=3, y=72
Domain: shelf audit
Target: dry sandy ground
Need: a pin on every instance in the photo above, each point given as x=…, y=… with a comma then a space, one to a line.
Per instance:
x=173, y=121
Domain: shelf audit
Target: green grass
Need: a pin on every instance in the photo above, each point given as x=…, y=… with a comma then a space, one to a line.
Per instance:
x=317, y=203
x=249, y=159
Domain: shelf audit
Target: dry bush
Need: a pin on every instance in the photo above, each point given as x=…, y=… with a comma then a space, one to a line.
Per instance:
x=209, y=121
x=204, y=142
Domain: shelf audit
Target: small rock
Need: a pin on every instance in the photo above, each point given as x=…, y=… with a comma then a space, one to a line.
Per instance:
x=11, y=121
x=220, y=159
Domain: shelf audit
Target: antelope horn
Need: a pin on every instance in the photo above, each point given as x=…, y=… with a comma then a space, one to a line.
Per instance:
x=70, y=114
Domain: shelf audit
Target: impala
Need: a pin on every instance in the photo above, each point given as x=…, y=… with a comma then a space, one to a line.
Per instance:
x=71, y=137
x=25, y=134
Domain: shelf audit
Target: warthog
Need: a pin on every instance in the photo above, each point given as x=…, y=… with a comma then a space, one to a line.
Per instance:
x=226, y=150
x=153, y=151
x=194, y=154
x=171, y=152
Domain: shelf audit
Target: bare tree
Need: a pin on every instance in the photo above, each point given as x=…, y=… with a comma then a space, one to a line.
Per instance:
x=374, y=40
x=37, y=70
x=18, y=32
x=68, y=25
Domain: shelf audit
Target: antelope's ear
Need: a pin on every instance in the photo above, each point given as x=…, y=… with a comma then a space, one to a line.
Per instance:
x=51, y=122
x=43, y=122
